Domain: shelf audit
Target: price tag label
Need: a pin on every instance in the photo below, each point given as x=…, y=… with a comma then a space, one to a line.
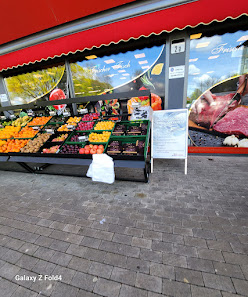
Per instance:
x=3, y=98
x=3, y=118
x=70, y=127
x=36, y=128
x=83, y=138
x=83, y=111
x=136, y=104
x=12, y=116
x=51, y=131
x=66, y=114
x=52, y=113
x=30, y=112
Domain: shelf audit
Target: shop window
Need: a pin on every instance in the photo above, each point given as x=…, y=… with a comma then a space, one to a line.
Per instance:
x=122, y=72
x=29, y=87
x=218, y=68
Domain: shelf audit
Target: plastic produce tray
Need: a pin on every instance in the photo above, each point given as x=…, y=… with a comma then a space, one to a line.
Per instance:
x=128, y=139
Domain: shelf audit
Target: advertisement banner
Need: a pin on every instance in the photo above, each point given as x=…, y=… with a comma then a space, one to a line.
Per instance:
x=218, y=94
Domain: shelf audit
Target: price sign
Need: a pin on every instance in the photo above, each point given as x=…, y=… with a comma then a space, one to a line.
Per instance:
x=83, y=138
x=66, y=114
x=36, y=128
x=70, y=127
x=83, y=111
x=12, y=116
x=3, y=118
x=3, y=98
x=30, y=112
x=52, y=113
x=136, y=104
x=50, y=131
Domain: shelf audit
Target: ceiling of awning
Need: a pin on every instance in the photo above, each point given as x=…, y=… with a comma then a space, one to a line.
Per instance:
x=189, y=15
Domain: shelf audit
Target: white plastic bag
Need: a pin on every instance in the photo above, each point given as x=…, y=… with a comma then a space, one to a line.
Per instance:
x=102, y=169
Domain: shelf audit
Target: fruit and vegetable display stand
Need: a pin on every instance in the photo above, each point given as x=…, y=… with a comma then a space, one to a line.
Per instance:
x=74, y=136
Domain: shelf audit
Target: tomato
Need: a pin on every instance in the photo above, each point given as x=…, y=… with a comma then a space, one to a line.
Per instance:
x=101, y=146
x=82, y=151
x=99, y=151
x=87, y=151
x=92, y=151
x=91, y=146
x=87, y=147
x=95, y=147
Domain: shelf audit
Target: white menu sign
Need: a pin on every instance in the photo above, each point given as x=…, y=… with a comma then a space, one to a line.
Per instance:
x=170, y=134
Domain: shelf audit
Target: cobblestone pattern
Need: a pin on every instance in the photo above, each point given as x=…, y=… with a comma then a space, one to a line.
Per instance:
x=178, y=235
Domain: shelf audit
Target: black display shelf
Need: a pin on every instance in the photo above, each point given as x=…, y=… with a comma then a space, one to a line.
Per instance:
x=4, y=158
x=46, y=160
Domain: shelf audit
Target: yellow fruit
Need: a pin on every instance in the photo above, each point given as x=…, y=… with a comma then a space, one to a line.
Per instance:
x=106, y=125
x=157, y=69
x=99, y=137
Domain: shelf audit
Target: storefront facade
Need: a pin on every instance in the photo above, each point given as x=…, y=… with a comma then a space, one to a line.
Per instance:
x=179, y=50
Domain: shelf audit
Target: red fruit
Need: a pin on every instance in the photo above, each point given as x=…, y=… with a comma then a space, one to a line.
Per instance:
x=95, y=147
x=99, y=151
x=87, y=151
x=82, y=151
x=87, y=147
x=57, y=94
x=101, y=146
x=143, y=97
x=92, y=151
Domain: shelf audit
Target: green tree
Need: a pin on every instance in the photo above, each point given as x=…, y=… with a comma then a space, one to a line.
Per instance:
x=86, y=83
x=194, y=95
x=30, y=86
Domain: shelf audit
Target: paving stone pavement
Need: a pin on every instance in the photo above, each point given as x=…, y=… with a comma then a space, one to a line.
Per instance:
x=178, y=235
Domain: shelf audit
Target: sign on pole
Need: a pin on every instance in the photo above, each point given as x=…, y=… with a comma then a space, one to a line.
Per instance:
x=170, y=135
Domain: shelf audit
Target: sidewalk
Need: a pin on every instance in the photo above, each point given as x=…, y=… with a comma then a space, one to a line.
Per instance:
x=178, y=235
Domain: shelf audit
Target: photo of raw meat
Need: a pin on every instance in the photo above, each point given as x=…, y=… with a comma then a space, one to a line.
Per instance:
x=235, y=122
x=204, y=113
x=219, y=112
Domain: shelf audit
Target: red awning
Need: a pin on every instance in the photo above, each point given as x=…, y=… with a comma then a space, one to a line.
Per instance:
x=179, y=17
x=23, y=18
